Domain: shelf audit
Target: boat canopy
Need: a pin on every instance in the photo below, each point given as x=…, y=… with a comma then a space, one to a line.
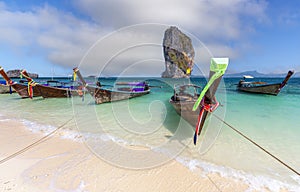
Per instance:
x=2, y=82
x=248, y=77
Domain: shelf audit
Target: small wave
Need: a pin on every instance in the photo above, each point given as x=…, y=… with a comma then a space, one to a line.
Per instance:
x=46, y=129
x=255, y=182
x=107, y=137
x=73, y=134
x=37, y=128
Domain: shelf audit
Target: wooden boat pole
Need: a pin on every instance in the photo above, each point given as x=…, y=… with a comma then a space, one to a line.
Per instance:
x=92, y=91
x=4, y=75
x=25, y=74
x=76, y=71
x=288, y=76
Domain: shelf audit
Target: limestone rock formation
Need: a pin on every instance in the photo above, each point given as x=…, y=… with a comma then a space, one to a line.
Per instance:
x=16, y=74
x=178, y=53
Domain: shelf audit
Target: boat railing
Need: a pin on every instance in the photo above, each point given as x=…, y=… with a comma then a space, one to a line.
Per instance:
x=131, y=86
x=252, y=84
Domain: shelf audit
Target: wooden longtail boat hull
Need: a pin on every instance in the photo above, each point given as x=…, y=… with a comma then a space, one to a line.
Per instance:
x=270, y=89
x=21, y=89
x=53, y=92
x=102, y=95
x=49, y=91
x=105, y=96
x=6, y=89
x=184, y=109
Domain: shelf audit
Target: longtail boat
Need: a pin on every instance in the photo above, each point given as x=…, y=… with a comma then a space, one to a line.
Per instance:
x=4, y=88
x=47, y=91
x=104, y=95
x=21, y=89
x=194, y=107
x=183, y=100
x=263, y=87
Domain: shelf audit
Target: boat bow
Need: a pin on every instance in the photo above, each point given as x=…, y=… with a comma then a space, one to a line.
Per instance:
x=207, y=100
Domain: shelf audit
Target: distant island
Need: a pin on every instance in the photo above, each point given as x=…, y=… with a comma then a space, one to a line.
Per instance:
x=257, y=74
x=16, y=74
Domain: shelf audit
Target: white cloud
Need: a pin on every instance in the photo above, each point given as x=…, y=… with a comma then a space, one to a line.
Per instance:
x=206, y=18
x=65, y=38
x=213, y=22
x=121, y=49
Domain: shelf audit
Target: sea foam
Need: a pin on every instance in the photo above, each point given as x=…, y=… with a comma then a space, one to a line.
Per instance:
x=255, y=182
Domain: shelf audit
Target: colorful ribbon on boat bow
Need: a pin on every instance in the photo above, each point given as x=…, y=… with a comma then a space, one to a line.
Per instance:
x=31, y=84
x=219, y=69
x=10, y=89
x=204, y=107
x=10, y=83
x=74, y=75
x=218, y=66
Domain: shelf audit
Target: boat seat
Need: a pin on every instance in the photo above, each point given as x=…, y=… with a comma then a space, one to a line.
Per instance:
x=138, y=89
x=125, y=89
x=184, y=98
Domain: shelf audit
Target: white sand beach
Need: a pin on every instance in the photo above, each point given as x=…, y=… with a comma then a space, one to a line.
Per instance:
x=64, y=165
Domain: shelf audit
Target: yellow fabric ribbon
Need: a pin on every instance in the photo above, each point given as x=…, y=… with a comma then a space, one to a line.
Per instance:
x=30, y=85
x=74, y=76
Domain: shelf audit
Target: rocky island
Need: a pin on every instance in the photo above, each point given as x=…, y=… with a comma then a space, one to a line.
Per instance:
x=16, y=74
x=178, y=53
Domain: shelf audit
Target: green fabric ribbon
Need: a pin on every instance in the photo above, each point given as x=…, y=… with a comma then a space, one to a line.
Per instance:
x=219, y=66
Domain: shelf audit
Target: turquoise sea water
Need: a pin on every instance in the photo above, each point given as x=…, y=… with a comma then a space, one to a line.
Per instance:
x=146, y=132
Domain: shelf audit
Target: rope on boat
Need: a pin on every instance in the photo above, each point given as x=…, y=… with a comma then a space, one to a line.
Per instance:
x=257, y=145
x=35, y=143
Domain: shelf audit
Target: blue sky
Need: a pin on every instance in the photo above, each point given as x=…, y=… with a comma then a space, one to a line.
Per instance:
x=52, y=37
